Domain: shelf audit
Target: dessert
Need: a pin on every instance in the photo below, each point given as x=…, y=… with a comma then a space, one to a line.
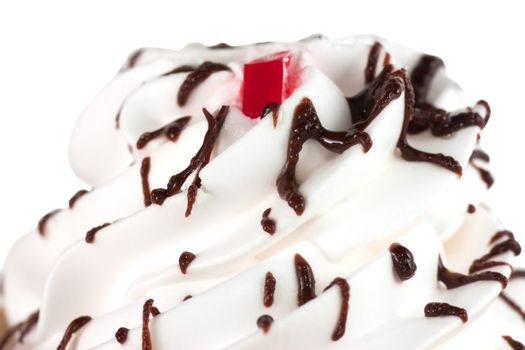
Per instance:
x=321, y=194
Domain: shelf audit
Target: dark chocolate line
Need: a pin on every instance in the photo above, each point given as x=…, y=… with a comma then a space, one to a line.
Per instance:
x=146, y=336
x=221, y=46
x=171, y=131
x=73, y=328
x=306, y=125
x=187, y=297
x=453, y=279
x=513, y=305
x=403, y=261
x=185, y=260
x=444, y=309
x=268, y=224
x=340, y=327
x=42, y=223
x=305, y=280
x=28, y=325
x=486, y=176
x=90, y=235
x=195, y=78
x=269, y=289
x=76, y=197
x=273, y=108
x=371, y=64
x=21, y=328
x=471, y=209
x=179, y=69
x=265, y=322
x=423, y=74
x=122, y=335
x=514, y=344
x=144, y=177
x=132, y=60
x=509, y=245
x=155, y=311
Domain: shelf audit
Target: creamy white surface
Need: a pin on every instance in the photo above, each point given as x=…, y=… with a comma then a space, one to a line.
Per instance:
x=357, y=204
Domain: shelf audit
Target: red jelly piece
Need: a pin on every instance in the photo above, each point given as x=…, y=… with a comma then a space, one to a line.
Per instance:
x=266, y=80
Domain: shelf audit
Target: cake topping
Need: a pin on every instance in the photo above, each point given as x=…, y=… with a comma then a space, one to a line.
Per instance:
x=43, y=221
x=444, y=309
x=73, y=327
x=171, y=131
x=508, y=300
x=122, y=335
x=514, y=344
x=471, y=209
x=90, y=235
x=28, y=325
x=269, y=289
x=305, y=280
x=264, y=322
x=195, y=78
x=187, y=297
x=373, y=57
x=185, y=260
x=21, y=328
x=453, y=279
x=76, y=197
x=268, y=224
x=272, y=108
x=146, y=336
x=144, y=174
x=509, y=245
x=403, y=261
x=340, y=327
x=306, y=125
x=486, y=176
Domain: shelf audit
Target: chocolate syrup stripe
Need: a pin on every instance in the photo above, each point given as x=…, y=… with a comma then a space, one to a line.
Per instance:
x=443, y=309
x=305, y=280
x=344, y=287
x=73, y=328
x=146, y=336
x=21, y=328
x=403, y=261
x=197, y=77
x=144, y=176
x=171, y=131
x=513, y=343
x=269, y=289
x=267, y=223
x=486, y=176
x=371, y=64
x=453, y=279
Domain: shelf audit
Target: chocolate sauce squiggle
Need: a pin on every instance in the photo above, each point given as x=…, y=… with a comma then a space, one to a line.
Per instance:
x=21, y=328
x=171, y=131
x=340, y=326
x=195, y=78
x=305, y=280
x=272, y=107
x=28, y=325
x=371, y=64
x=403, y=261
x=43, y=221
x=453, y=279
x=471, y=209
x=268, y=224
x=144, y=175
x=269, y=289
x=146, y=336
x=200, y=160
x=73, y=327
x=444, y=309
x=486, y=176
x=185, y=260
x=513, y=305
x=90, y=235
x=132, y=60
x=122, y=335
x=306, y=125
x=509, y=245
x=264, y=322
x=514, y=344
x=76, y=197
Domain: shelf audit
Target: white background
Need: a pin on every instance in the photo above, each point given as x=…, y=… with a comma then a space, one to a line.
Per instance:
x=55, y=56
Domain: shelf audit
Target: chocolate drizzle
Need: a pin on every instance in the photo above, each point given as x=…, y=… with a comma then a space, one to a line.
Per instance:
x=132, y=60
x=185, y=260
x=269, y=289
x=199, y=161
x=195, y=78
x=122, y=335
x=264, y=322
x=73, y=327
x=268, y=224
x=76, y=197
x=155, y=311
x=305, y=280
x=518, y=273
x=423, y=74
x=43, y=221
x=179, y=69
x=453, y=279
x=144, y=174
x=340, y=327
x=187, y=297
x=272, y=107
x=146, y=336
x=508, y=245
x=371, y=64
x=21, y=328
x=403, y=261
x=486, y=176
x=514, y=344
x=471, y=209
x=28, y=325
x=306, y=125
x=444, y=309
x=170, y=131
x=90, y=235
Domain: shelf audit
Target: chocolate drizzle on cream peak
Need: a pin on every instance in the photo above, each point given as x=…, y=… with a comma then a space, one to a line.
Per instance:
x=371, y=64
x=306, y=125
x=90, y=235
x=185, y=260
x=508, y=245
x=42, y=223
x=171, y=131
x=403, y=261
x=305, y=280
x=121, y=335
x=195, y=78
x=73, y=327
x=76, y=197
x=453, y=279
x=21, y=328
x=344, y=287
x=444, y=309
x=513, y=343
x=268, y=224
x=486, y=176
x=199, y=161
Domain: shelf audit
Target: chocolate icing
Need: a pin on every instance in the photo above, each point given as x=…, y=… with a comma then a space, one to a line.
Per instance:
x=371, y=64
x=453, y=279
x=195, y=78
x=268, y=224
x=185, y=260
x=179, y=69
x=199, y=161
x=187, y=297
x=28, y=325
x=221, y=46
x=21, y=328
x=264, y=322
x=514, y=344
x=43, y=221
x=272, y=107
x=144, y=174
x=444, y=309
x=305, y=280
x=76, y=197
x=471, y=209
x=155, y=311
x=509, y=245
x=486, y=176
x=171, y=131
x=90, y=235
x=518, y=273
x=403, y=261
x=269, y=289
x=306, y=125
x=340, y=326
x=132, y=60
x=146, y=336
x=73, y=327
x=122, y=335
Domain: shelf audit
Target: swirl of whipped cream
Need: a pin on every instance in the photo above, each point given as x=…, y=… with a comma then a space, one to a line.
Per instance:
x=256, y=219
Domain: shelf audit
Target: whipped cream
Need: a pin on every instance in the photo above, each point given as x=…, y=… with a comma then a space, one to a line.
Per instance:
x=237, y=249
